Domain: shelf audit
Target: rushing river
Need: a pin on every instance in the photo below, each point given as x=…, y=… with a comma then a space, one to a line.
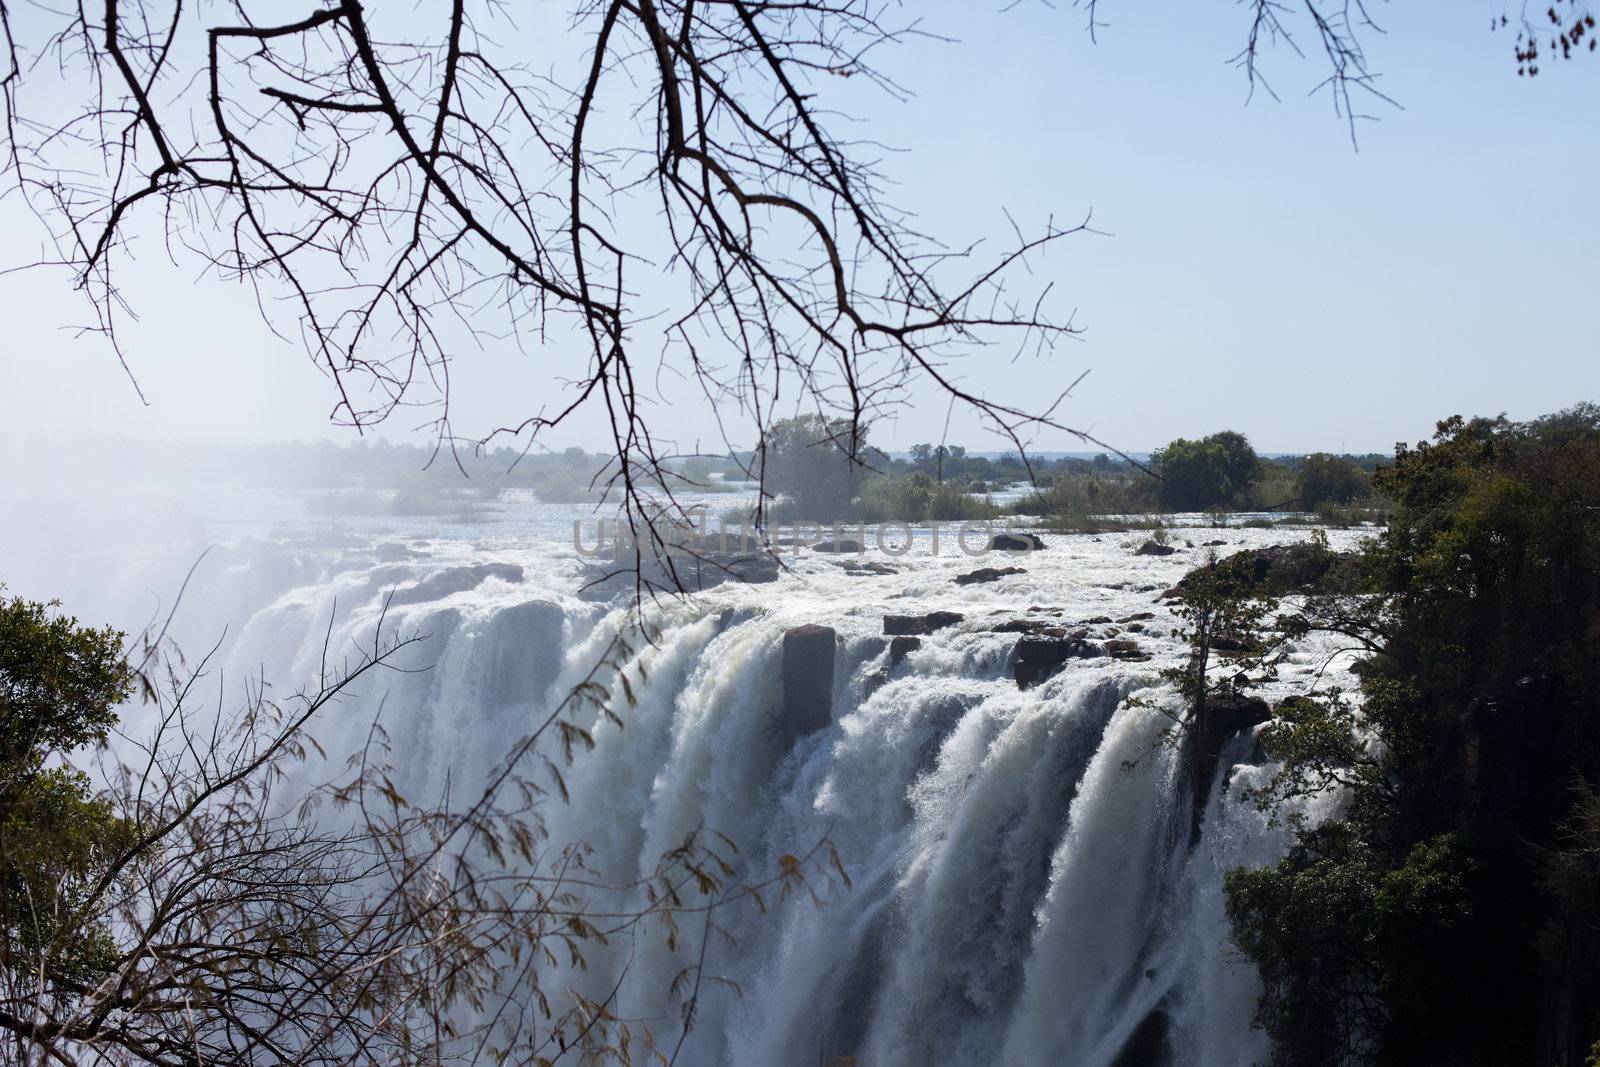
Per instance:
x=1025, y=889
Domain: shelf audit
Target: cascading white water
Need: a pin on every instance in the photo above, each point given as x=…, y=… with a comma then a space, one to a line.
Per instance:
x=1024, y=889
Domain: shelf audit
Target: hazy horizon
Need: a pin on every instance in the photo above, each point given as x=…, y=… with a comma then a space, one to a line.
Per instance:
x=1253, y=272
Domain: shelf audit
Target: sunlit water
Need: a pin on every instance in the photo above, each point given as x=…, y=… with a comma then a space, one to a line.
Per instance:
x=1024, y=888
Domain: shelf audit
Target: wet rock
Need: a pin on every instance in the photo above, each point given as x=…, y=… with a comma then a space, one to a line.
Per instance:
x=1229, y=645
x=455, y=580
x=1223, y=716
x=1138, y=616
x=688, y=572
x=1150, y=1044
x=1153, y=548
x=843, y=544
x=870, y=647
x=1123, y=649
x=528, y=658
x=1098, y=620
x=808, y=655
x=987, y=574
x=1023, y=626
x=1035, y=659
x=900, y=648
x=1279, y=570
x=919, y=625
x=861, y=567
x=1214, y=544
x=1015, y=542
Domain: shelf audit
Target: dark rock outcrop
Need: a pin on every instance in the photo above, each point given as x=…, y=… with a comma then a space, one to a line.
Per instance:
x=1015, y=542
x=900, y=648
x=454, y=580
x=1150, y=1044
x=843, y=544
x=524, y=668
x=690, y=572
x=1223, y=716
x=1279, y=570
x=1035, y=659
x=870, y=566
x=1121, y=648
x=919, y=625
x=987, y=574
x=1025, y=626
x=808, y=655
x=1155, y=548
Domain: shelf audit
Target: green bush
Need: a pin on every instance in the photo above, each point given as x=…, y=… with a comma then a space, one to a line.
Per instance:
x=1325, y=479
x=60, y=684
x=918, y=498
x=1274, y=488
x=1214, y=471
x=1081, y=503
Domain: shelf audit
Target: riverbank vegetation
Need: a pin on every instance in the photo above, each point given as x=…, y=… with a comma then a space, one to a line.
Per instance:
x=814, y=470
x=1451, y=912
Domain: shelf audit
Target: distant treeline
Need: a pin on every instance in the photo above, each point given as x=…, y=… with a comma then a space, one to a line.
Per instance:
x=812, y=474
x=808, y=468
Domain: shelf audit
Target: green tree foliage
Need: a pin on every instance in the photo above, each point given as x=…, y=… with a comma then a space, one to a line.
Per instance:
x=1324, y=478
x=1274, y=487
x=941, y=461
x=917, y=498
x=60, y=683
x=815, y=464
x=1451, y=915
x=1083, y=503
x=1215, y=471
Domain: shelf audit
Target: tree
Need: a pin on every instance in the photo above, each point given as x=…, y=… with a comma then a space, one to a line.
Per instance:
x=1215, y=471
x=1330, y=478
x=59, y=684
x=933, y=459
x=1463, y=869
x=815, y=464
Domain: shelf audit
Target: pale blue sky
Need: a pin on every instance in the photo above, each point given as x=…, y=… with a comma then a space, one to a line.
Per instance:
x=1257, y=274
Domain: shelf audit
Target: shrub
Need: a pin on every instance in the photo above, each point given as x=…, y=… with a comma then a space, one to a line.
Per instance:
x=918, y=498
x=1215, y=470
x=1083, y=503
x=1330, y=479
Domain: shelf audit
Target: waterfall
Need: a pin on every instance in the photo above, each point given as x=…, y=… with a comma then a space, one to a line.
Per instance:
x=1023, y=885
x=1024, y=890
